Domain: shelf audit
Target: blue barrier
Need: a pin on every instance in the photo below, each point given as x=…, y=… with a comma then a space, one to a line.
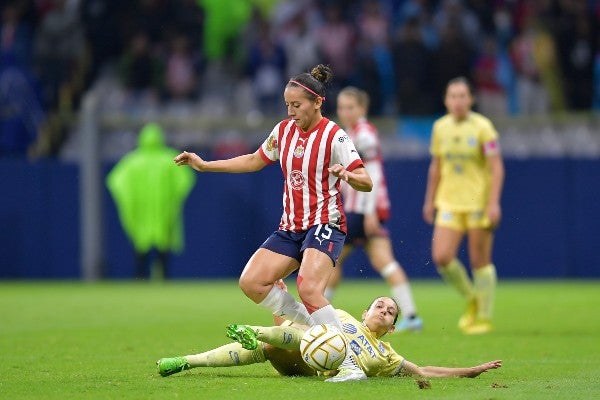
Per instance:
x=548, y=230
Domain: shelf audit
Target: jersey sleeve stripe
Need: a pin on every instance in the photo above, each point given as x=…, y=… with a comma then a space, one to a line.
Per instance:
x=354, y=164
x=264, y=157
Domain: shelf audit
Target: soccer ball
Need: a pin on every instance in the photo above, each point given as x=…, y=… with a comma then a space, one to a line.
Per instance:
x=323, y=347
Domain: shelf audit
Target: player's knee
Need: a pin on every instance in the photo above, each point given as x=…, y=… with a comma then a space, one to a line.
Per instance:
x=247, y=285
x=442, y=259
x=309, y=292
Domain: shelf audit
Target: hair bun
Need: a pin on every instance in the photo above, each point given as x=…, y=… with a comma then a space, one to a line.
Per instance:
x=322, y=73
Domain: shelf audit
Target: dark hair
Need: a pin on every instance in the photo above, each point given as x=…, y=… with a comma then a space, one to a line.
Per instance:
x=397, y=306
x=460, y=79
x=314, y=82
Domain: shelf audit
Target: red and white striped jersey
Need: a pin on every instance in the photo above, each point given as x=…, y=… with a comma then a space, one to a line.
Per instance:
x=311, y=194
x=366, y=139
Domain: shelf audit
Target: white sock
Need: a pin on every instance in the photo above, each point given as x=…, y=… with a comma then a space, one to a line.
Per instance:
x=403, y=296
x=329, y=293
x=282, y=304
x=326, y=315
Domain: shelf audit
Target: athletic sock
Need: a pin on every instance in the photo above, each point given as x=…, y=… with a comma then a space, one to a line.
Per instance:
x=283, y=337
x=326, y=315
x=456, y=275
x=403, y=296
x=485, y=286
x=229, y=355
x=282, y=304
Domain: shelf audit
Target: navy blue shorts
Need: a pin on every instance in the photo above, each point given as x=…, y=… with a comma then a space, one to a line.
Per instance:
x=322, y=237
x=356, y=229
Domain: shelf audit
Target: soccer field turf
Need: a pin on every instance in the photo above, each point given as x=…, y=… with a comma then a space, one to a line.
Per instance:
x=100, y=341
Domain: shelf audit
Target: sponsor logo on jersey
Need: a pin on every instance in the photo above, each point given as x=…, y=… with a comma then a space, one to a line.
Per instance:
x=355, y=347
x=297, y=180
x=342, y=139
x=381, y=348
x=367, y=346
x=349, y=328
x=471, y=141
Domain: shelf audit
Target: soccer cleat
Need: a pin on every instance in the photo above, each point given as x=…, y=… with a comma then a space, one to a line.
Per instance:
x=173, y=365
x=347, y=375
x=468, y=318
x=479, y=327
x=414, y=324
x=244, y=335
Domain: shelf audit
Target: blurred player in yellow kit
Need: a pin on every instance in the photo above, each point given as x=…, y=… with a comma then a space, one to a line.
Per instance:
x=463, y=192
x=280, y=345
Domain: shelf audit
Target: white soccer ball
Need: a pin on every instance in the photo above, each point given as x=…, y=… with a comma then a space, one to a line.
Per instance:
x=323, y=347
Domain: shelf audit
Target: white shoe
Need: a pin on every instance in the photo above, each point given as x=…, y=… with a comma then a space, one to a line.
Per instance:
x=348, y=374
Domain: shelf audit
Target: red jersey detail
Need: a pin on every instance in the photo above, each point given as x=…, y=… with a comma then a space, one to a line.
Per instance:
x=310, y=194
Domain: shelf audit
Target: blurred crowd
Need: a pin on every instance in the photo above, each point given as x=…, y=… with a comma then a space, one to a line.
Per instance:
x=523, y=56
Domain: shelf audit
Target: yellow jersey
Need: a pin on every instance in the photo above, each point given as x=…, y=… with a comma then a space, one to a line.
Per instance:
x=376, y=358
x=464, y=173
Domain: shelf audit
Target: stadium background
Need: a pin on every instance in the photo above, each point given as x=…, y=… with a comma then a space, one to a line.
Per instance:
x=79, y=78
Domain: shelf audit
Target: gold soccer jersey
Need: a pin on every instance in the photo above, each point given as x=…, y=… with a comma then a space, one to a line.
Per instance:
x=462, y=147
x=376, y=358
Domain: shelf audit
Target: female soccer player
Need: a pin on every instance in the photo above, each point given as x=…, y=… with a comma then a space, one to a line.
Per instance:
x=280, y=345
x=315, y=154
x=463, y=192
x=366, y=211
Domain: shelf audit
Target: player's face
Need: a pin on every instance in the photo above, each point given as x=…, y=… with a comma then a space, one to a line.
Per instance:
x=348, y=110
x=458, y=100
x=305, y=111
x=380, y=317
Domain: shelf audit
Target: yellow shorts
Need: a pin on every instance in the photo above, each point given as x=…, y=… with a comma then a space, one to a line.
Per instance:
x=462, y=220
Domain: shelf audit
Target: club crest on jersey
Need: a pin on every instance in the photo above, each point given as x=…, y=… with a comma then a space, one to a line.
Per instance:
x=299, y=151
x=297, y=180
x=471, y=141
x=271, y=143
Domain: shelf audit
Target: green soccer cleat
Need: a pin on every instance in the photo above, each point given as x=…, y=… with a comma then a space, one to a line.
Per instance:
x=173, y=365
x=244, y=335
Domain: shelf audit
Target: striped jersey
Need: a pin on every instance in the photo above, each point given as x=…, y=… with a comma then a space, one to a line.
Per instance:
x=366, y=139
x=311, y=194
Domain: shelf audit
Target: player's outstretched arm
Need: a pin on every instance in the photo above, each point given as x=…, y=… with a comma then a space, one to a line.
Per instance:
x=447, y=372
x=246, y=163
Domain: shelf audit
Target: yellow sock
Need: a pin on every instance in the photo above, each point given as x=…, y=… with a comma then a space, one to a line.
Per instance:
x=229, y=355
x=284, y=337
x=456, y=275
x=485, y=287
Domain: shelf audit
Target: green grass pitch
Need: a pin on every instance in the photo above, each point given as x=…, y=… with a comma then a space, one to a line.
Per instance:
x=71, y=340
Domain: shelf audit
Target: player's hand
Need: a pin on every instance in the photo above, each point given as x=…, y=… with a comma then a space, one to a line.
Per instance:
x=428, y=212
x=494, y=213
x=485, y=367
x=339, y=172
x=191, y=159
